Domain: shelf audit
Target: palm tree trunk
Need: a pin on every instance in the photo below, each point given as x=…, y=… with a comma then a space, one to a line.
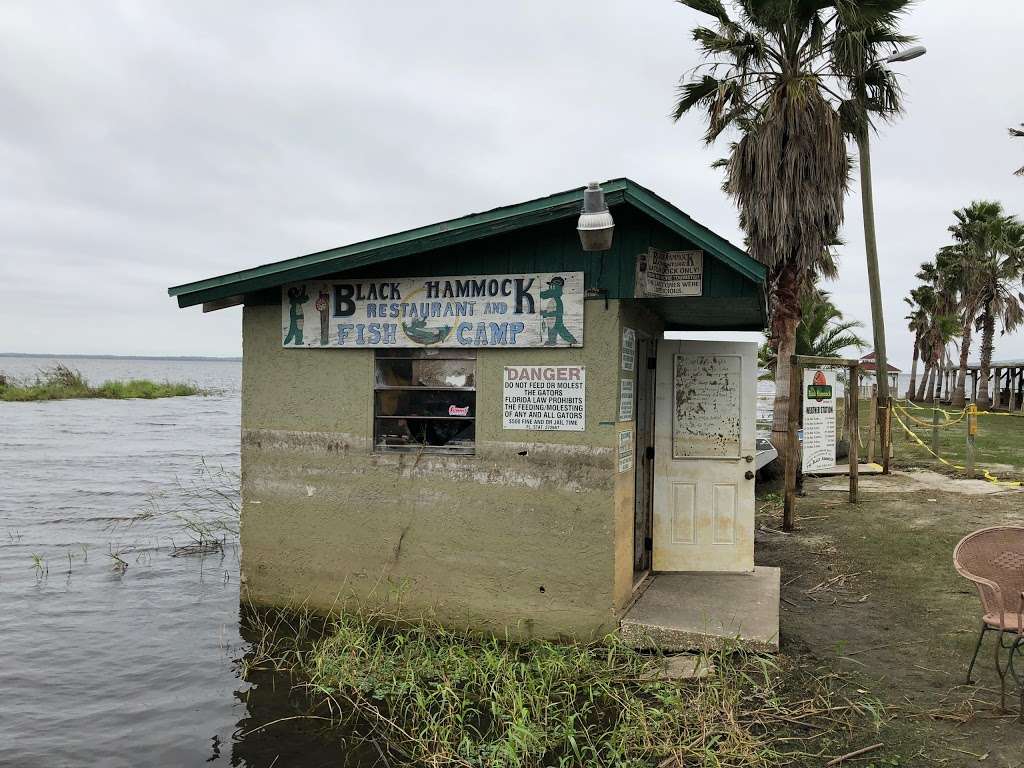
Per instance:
x=960, y=392
x=785, y=319
x=931, y=384
x=988, y=330
x=923, y=386
x=913, y=367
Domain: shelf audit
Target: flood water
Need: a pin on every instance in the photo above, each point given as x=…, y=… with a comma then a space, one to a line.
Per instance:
x=138, y=668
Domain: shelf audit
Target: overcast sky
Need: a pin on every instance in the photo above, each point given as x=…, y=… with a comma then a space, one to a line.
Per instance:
x=146, y=144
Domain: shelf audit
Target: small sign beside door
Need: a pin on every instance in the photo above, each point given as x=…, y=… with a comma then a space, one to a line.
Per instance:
x=625, y=450
x=628, y=349
x=626, y=398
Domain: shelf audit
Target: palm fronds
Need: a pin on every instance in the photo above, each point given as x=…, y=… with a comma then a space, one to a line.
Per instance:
x=1017, y=133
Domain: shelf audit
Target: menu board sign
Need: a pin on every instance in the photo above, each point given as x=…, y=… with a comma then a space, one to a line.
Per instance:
x=819, y=409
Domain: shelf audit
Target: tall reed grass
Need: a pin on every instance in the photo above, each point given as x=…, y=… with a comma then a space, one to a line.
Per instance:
x=428, y=695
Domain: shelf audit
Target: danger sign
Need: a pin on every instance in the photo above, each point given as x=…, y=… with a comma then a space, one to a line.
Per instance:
x=545, y=397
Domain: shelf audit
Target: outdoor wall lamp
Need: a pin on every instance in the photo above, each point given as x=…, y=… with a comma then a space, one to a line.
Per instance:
x=595, y=224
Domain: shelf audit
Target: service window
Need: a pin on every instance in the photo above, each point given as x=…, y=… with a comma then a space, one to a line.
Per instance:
x=425, y=400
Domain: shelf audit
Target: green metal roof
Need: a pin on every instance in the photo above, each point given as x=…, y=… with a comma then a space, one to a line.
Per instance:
x=472, y=227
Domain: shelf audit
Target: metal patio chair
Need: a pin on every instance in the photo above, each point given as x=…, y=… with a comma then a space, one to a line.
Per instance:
x=993, y=558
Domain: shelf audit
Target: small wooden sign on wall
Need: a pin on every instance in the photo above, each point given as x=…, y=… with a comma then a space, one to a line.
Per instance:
x=669, y=273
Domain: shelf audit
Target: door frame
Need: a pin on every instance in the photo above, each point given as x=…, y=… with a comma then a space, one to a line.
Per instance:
x=643, y=458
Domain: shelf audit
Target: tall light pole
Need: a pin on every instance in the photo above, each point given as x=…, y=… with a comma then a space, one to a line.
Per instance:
x=871, y=249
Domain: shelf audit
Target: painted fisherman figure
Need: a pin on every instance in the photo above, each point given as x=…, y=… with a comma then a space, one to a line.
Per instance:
x=323, y=305
x=296, y=298
x=556, y=326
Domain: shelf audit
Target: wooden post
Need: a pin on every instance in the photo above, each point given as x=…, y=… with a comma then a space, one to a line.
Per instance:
x=935, y=431
x=885, y=442
x=972, y=431
x=871, y=425
x=997, y=381
x=852, y=420
x=793, y=445
x=1013, y=389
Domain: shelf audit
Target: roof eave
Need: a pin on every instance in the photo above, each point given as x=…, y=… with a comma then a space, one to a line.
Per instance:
x=472, y=227
x=561, y=205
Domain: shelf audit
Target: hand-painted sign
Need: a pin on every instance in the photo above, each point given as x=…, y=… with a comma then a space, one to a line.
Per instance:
x=819, y=410
x=669, y=273
x=545, y=397
x=537, y=310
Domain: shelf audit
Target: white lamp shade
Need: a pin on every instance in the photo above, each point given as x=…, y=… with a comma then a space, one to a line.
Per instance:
x=596, y=230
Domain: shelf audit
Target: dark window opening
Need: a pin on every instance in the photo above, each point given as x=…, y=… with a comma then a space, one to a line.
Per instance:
x=424, y=400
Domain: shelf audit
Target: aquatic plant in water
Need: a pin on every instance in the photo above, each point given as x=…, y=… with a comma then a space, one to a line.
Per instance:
x=206, y=506
x=60, y=382
x=40, y=567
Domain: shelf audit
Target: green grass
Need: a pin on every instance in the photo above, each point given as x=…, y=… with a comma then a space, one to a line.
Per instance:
x=902, y=617
x=62, y=383
x=428, y=695
x=999, y=444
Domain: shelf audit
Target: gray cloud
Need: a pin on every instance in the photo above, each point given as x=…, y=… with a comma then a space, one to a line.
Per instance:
x=149, y=144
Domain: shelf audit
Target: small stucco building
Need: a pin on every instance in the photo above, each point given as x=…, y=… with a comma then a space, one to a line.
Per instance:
x=482, y=417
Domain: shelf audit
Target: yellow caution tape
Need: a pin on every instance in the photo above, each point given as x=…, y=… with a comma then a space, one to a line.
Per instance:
x=947, y=414
x=942, y=424
x=985, y=473
x=916, y=407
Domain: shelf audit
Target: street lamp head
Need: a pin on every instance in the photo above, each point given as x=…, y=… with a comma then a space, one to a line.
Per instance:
x=907, y=54
x=595, y=224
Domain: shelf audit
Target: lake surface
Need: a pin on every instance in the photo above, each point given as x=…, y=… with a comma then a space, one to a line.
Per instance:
x=135, y=669
x=141, y=668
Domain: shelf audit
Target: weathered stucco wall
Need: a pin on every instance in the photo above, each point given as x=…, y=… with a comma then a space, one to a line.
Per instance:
x=520, y=536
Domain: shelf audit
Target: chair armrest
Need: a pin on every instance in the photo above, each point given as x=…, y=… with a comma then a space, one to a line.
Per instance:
x=981, y=582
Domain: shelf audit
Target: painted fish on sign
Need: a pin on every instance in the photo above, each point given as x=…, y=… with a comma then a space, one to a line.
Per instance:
x=538, y=310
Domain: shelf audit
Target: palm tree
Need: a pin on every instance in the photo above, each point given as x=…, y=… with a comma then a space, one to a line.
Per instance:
x=772, y=75
x=917, y=322
x=1017, y=133
x=823, y=331
x=938, y=297
x=980, y=237
x=998, y=280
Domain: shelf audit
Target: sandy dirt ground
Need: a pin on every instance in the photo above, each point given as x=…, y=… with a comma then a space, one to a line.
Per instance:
x=870, y=589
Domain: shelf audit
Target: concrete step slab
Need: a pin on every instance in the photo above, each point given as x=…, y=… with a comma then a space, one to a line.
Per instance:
x=690, y=611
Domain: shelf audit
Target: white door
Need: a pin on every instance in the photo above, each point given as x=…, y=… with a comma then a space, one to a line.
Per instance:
x=706, y=396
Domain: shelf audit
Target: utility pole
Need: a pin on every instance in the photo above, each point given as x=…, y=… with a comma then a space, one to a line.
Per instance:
x=875, y=288
x=871, y=250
